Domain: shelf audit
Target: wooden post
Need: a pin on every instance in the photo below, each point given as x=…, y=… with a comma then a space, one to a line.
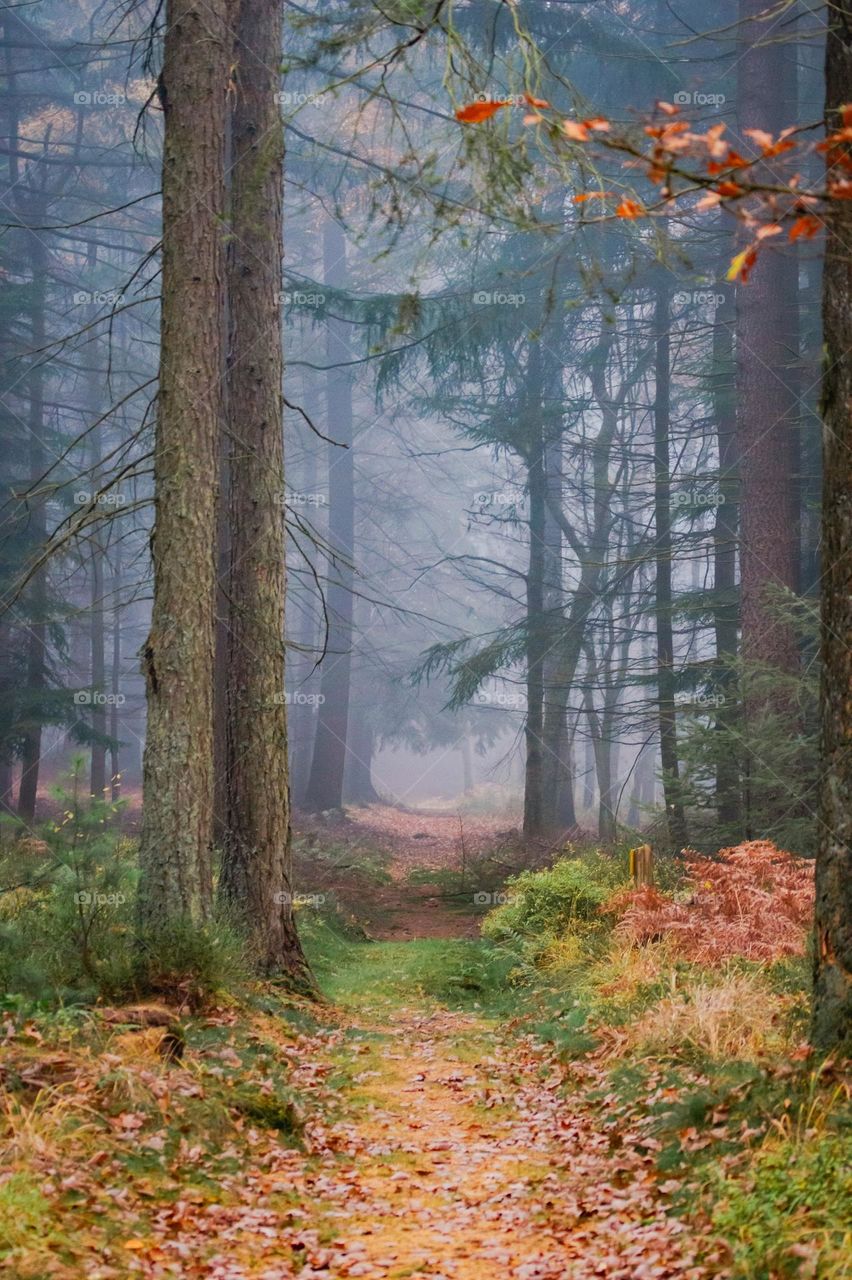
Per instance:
x=642, y=865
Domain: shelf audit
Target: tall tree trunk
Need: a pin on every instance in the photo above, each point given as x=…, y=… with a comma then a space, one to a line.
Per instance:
x=666, y=714
x=176, y=882
x=37, y=595
x=536, y=643
x=303, y=635
x=832, y=1006
x=725, y=611
x=325, y=785
x=589, y=773
x=115, y=677
x=359, y=760
x=602, y=748
x=766, y=406
x=256, y=863
x=558, y=784
x=221, y=645
x=97, y=780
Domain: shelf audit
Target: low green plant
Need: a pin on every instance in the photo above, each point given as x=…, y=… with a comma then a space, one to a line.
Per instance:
x=541, y=906
x=790, y=1215
x=67, y=917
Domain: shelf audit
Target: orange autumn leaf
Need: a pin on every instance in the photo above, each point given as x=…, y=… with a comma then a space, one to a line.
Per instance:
x=668, y=108
x=768, y=146
x=741, y=265
x=846, y=114
x=535, y=102
x=575, y=130
x=805, y=227
x=591, y=195
x=729, y=189
x=630, y=209
x=599, y=123
x=475, y=112
x=733, y=160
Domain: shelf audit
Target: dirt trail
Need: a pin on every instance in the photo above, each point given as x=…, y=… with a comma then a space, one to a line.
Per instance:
x=462, y=1160
x=409, y=841
x=423, y=838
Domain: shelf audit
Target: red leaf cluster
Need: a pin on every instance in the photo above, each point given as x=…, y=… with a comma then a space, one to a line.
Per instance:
x=753, y=900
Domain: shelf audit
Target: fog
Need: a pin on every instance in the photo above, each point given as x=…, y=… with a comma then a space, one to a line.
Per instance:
x=530, y=499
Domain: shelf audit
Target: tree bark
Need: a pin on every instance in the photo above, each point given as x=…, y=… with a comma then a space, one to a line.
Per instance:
x=832, y=1001
x=176, y=881
x=536, y=643
x=725, y=611
x=115, y=678
x=558, y=784
x=256, y=865
x=359, y=759
x=766, y=405
x=97, y=779
x=666, y=713
x=37, y=595
x=325, y=785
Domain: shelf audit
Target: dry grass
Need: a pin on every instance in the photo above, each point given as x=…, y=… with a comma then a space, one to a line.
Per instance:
x=735, y=1015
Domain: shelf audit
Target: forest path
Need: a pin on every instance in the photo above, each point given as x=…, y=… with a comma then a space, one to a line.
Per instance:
x=429, y=858
x=457, y=1157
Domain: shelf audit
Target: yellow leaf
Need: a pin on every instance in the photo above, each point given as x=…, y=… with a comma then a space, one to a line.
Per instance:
x=741, y=265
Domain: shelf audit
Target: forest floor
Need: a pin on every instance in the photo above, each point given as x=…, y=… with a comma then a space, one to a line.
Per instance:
x=431, y=1144
x=407, y=873
x=431, y=1120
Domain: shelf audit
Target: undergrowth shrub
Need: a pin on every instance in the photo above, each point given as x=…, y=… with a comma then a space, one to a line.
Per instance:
x=67, y=917
x=754, y=900
x=569, y=893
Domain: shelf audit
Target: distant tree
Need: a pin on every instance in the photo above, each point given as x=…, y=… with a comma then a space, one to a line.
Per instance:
x=325, y=784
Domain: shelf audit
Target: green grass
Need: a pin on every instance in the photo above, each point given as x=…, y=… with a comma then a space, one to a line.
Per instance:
x=796, y=1194
x=25, y=1211
x=463, y=974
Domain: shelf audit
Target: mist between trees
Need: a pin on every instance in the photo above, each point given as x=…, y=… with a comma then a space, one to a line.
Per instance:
x=550, y=481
